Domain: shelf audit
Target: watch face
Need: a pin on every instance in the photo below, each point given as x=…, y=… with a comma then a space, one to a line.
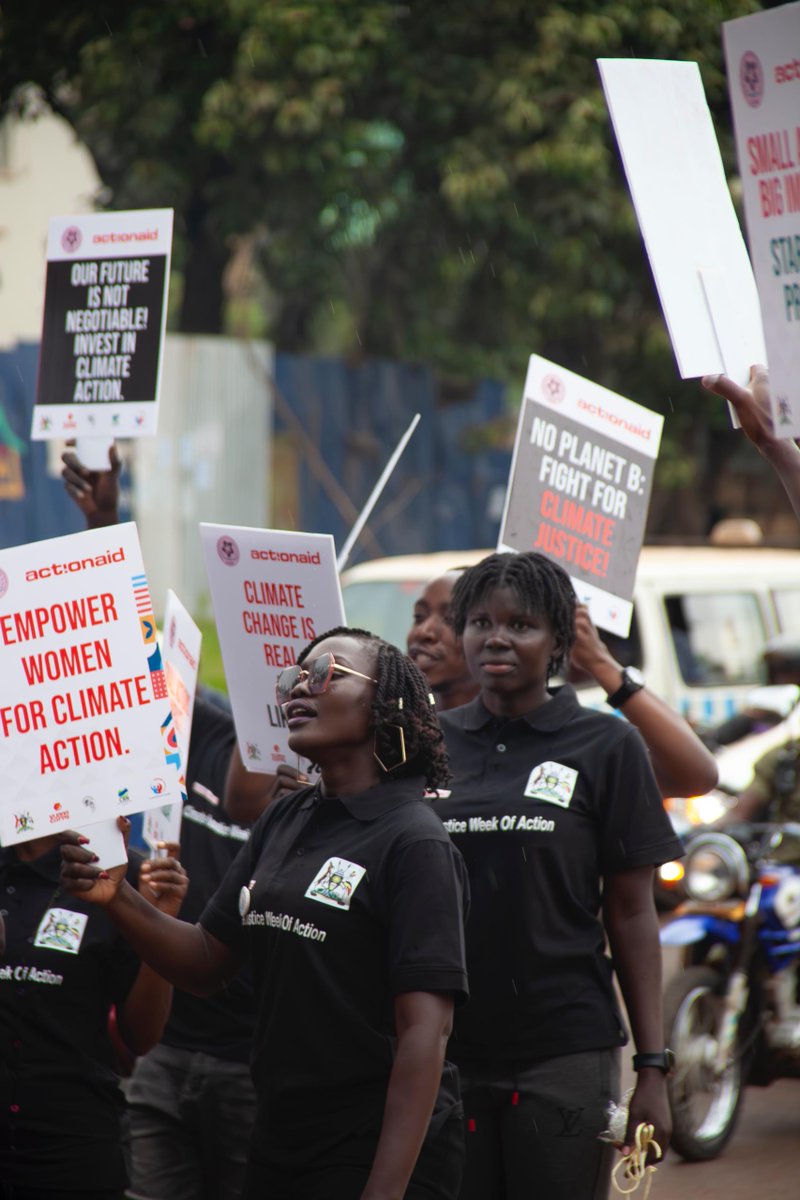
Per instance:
x=634, y=675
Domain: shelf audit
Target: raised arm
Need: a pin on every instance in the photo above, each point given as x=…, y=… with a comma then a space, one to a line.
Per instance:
x=96, y=493
x=423, y=1023
x=185, y=955
x=753, y=409
x=681, y=763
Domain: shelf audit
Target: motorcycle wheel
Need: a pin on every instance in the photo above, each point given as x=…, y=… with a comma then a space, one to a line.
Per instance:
x=704, y=1106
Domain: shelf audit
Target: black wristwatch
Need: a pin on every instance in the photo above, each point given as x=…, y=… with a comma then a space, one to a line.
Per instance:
x=632, y=682
x=663, y=1059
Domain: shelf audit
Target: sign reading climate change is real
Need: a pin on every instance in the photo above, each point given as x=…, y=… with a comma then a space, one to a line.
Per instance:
x=273, y=592
x=105, y=311
x=763, y=59
x=580, y=486
x=85, y=727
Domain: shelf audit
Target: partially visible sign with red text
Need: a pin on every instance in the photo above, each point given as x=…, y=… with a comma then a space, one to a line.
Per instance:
x=86, y=731
x=763, y=58
x=273, y=593
x=580, y=486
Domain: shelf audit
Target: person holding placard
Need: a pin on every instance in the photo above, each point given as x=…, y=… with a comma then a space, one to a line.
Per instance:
x=64, y=967
x=681, y=763
x=754, y=410
x=348, y=900
x=191, y=1099
x=559, y=818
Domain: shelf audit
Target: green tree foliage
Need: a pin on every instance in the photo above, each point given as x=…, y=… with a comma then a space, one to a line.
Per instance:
x=428, y=181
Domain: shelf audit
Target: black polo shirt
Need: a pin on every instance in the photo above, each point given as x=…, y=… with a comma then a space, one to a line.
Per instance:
x=542, y=807
x=64, y=966
x=341, y=905
x=222, y=1024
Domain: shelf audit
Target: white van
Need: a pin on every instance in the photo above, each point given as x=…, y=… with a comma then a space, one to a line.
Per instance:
x=701, y=616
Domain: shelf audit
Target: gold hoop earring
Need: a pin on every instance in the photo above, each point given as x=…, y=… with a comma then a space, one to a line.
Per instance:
x=402, y=742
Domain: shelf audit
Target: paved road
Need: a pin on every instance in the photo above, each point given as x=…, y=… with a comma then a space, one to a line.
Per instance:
x=761, y=1162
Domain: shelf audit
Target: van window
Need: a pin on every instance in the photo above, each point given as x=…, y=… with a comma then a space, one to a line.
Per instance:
x=384, y=607
x=718, y=637
x=787, y=607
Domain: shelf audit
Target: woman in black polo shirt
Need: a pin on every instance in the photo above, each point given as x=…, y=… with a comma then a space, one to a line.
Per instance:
x=560, y=822
x=63, y=968
x=347, y=900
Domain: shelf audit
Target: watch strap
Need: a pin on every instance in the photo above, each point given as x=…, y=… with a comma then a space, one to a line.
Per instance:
x=629, y=687
x=664, y=1060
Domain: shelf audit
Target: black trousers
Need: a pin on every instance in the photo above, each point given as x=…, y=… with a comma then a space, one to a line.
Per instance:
x=533, y=1135
x=343, y=1172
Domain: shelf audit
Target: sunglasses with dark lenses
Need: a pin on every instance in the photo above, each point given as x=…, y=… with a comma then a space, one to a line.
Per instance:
x=317, y=674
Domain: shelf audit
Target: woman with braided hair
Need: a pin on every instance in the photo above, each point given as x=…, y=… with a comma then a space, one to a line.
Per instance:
x=348, y=902
x=560, y=821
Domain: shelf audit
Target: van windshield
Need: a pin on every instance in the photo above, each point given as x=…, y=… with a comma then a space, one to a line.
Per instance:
x=384, y=607
x=717, y=637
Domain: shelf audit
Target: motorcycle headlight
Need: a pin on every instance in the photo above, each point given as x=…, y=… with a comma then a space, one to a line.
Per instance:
x=716, y=868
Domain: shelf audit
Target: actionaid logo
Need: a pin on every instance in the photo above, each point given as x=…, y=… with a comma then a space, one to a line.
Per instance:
x=789, y=72
x=553, y=389
x=71, y=239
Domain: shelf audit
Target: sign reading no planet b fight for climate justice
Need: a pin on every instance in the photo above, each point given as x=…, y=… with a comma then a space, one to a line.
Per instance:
x=105, y=311
x=273, y=593
x=86, y=732
x=763, y=60
x=580, y=486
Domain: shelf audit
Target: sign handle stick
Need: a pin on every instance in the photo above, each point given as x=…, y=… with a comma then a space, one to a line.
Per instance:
x=364, y=515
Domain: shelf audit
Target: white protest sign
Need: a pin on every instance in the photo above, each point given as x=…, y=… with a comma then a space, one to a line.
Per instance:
x=105, y=313
x=273, y=592
x=669, y=150
x=162, y=825
x=181, y=641
x=85, y=727
x=763, y=57
x=580, y=486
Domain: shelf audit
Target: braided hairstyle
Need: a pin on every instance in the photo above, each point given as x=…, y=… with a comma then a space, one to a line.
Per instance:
x=400, y=680
x=541, y=586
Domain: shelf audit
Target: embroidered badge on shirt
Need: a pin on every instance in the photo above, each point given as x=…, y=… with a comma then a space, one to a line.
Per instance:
x=553, y=782
x=335, y=883
x=61, y=929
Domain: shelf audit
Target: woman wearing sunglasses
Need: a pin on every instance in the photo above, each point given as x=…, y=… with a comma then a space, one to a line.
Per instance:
x=348, y=902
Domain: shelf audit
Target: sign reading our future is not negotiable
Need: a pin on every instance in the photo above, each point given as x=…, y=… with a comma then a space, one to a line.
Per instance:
x=103, y=326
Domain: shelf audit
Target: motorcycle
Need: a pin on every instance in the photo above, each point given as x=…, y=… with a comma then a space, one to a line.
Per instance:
x=732, y=1018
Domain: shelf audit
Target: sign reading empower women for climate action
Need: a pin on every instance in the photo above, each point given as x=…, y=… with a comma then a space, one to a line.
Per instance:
x=86, y=731
x=103, y=328
x=580, y=485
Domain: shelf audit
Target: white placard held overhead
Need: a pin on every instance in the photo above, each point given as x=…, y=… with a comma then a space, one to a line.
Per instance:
x=580, y=484
x=105, y=312
x=763, y=57
x=85, y=726
x=671, y=157
x=273, y=593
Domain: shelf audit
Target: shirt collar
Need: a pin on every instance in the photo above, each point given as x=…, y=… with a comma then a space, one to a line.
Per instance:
x=547, y=718
x=375, y=801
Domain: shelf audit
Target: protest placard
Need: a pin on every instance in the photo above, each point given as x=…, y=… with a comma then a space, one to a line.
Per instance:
x=273, y=592
x=677, y=180
x=85, y=727
x=763, y=58
x=580, y=484
x=181, y=641
x=105, y=312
